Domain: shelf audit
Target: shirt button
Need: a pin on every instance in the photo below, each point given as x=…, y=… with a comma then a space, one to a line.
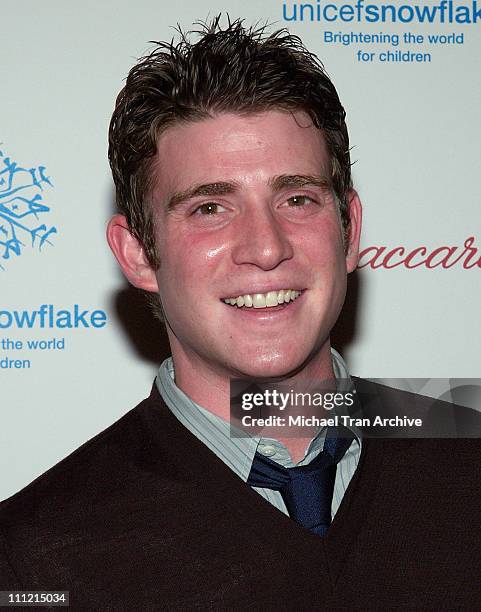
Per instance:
x=267, y=450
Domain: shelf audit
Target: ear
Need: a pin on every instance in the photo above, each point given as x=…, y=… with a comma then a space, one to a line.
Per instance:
x=130, y=254
x=353, y=233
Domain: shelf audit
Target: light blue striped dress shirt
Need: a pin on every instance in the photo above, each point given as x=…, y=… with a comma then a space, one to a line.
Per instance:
x=238, y=453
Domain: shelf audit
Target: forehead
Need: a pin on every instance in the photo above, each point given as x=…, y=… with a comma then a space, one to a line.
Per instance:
x=247, y=149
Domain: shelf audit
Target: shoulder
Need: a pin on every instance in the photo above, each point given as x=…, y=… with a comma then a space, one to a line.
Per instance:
x=101, y=464
x=414, y=415
x=76, y=503
x=440, y=452
x=434, y=468
x=130, y=485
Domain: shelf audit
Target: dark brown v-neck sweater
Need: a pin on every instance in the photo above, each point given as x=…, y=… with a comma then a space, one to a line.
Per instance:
x=144, y=517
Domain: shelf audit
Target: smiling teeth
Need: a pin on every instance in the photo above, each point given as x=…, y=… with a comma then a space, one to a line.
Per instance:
x=263, y=300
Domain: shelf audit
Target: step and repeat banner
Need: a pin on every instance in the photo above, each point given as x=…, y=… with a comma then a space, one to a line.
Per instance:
x=78, y=346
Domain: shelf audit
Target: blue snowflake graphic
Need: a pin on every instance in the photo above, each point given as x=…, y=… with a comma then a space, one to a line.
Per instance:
x=22, y=208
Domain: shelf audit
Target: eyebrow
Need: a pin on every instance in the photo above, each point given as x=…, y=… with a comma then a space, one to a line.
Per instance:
x=277, y=183
x=287, y=181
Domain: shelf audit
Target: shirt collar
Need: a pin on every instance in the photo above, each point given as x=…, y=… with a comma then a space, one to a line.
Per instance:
x=236, y=452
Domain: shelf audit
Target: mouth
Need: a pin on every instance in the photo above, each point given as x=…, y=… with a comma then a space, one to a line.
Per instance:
x=271, y=299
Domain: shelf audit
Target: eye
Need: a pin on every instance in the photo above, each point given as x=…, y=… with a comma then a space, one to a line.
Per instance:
x=300, y=200
x=209, y=208
x=300, y=206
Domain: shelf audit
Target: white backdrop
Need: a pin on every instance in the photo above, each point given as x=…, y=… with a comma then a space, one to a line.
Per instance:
x=414, y=128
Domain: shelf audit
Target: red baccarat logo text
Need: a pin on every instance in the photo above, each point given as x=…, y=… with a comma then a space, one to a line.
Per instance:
x=465, y=256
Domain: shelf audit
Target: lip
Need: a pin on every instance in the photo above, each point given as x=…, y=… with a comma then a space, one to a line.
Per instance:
x=264, y=289
x=268, y=314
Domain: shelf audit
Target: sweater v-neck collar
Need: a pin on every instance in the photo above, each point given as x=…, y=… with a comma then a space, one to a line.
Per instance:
x=323, y=557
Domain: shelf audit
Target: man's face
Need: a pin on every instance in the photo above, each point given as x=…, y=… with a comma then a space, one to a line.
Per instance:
x=244, y=211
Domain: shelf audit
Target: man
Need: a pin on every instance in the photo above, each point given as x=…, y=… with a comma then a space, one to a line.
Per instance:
x=230, y=157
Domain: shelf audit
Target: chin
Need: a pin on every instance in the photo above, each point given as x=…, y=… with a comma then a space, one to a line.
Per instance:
x=271, y=366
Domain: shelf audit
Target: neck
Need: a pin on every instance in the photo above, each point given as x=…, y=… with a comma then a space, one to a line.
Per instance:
x=208, y=384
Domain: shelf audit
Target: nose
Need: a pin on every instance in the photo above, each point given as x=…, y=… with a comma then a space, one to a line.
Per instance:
x=261, y=240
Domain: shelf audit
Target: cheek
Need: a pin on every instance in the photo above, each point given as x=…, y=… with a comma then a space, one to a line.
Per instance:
x=323, y=247
x=190, y=261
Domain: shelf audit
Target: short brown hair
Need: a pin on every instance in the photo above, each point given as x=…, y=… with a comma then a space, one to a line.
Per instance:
x=231, y=69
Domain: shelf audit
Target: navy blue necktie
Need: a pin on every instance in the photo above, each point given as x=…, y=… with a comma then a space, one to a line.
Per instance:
x=307, y=489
